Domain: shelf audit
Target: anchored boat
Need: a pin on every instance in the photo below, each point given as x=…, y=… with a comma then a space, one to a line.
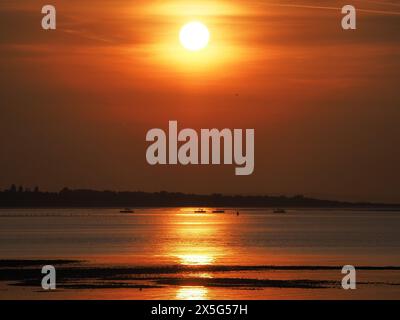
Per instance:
x=126, y=210
x=218, y=211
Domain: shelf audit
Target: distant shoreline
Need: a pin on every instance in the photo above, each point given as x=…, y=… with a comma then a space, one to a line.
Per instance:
x=362, y=209
x=83, y=198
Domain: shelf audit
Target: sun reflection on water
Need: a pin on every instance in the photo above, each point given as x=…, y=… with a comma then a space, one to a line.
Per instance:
x=196, y=259
x=192, y=293
x=196, y=240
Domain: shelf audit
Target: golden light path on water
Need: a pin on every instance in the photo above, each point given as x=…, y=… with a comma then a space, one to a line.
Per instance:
x=197, y=241
x=193, y=251
x=196, y=259
x=192, y=293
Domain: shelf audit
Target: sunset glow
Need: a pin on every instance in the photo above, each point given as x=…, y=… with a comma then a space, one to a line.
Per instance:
x=198, y=149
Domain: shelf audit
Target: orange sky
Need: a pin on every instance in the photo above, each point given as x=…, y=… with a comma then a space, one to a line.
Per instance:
x=77, y=102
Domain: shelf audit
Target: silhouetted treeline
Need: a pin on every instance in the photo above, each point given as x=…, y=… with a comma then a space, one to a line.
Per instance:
x=20, y=197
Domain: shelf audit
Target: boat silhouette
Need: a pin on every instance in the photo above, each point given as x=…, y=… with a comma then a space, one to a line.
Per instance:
x=126, y=210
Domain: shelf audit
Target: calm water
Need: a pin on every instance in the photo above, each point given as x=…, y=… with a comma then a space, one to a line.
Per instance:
x=178, y=237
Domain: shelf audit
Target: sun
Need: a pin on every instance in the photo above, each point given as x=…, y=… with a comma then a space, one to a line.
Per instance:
x=194, y=36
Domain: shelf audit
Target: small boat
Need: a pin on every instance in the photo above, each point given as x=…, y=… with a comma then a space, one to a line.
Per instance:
x=279, y=211
x=200, y=211
x=218, y=211
x=126, y=210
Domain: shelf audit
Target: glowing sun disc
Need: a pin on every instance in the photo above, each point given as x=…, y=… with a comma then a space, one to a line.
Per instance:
x=194, y=36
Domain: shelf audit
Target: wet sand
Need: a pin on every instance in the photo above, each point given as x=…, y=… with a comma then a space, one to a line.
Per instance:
x=24, y=277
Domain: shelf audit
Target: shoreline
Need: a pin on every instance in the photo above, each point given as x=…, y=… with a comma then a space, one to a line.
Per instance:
x=245, y=208
x=78, y=275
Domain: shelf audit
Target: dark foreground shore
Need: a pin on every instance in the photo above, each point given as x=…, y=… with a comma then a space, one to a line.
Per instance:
x=74, y=274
